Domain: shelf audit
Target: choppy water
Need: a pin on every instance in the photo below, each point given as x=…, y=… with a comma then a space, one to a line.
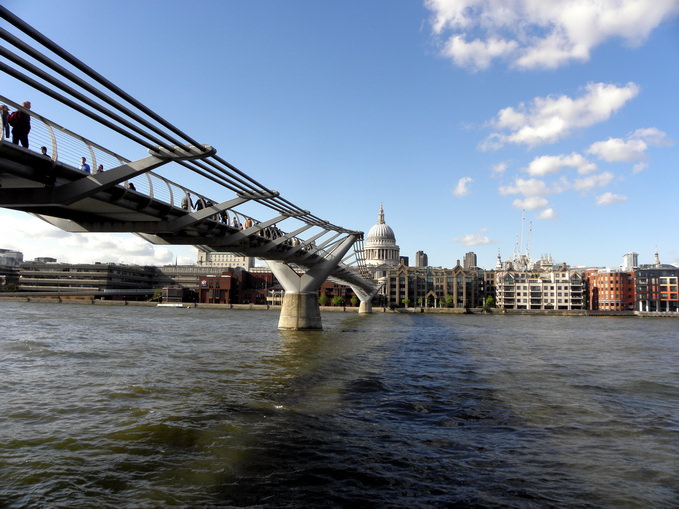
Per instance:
x=153, y=407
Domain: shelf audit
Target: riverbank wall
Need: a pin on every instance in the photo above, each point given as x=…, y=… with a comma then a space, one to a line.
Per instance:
x=341, y=309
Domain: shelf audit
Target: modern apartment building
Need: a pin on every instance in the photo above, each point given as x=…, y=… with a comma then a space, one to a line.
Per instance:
x=559, y=288
x=657, y=289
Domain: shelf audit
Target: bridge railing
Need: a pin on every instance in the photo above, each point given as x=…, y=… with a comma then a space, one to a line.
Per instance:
x=67, y=147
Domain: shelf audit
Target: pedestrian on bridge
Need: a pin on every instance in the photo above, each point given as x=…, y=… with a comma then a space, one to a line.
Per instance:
x=186, y=201
x=84, y=166
x=5, y=121
x=21, y=125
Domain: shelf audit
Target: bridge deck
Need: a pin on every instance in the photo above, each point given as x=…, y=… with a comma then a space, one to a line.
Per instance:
x=30, y=182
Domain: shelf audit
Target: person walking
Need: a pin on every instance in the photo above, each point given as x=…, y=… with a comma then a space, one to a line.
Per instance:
x=186, y=201
x=21, y=125
x=5, y=122
x=84, y=166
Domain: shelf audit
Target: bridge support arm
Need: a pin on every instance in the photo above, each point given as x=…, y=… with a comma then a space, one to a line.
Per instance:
x=366, y=299
x=300, y=309
x=90, y=185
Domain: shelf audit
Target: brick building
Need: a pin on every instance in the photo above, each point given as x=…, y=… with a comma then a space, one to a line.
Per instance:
x=611, y=290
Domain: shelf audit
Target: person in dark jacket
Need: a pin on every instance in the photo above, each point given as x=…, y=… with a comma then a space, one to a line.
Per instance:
x=5, y=121
x=22, y=126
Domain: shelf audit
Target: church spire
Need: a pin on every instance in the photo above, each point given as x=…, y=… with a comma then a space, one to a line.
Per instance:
x=380, y=217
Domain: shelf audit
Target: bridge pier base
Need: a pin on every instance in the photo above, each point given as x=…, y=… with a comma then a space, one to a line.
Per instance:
x=300, y=311
x=366, y=306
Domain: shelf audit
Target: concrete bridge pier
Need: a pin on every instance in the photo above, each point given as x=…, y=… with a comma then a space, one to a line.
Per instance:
x=300, y=310
x=366, y=306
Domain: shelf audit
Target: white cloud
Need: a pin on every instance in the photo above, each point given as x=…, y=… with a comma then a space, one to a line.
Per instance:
x=548, y=119
x=36, y=238
x=653, y=136
x=547, y=214
x=616, y=150
x=588, y=183
x=610, y=199
x=639, y=167
x=462, y=187
x=632, y=148
x=526, y=187
x=533, y=34
x=531, y=203
x=474, y=239
x=544, y=165
x=477, y=54
x=499, y=168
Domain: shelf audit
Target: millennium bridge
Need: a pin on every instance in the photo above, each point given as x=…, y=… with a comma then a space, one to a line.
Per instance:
x=231, y=211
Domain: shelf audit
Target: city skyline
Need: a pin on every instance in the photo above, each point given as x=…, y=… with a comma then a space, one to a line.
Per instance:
x=454, y=116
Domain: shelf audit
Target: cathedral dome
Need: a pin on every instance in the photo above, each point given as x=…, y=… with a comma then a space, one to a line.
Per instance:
x=380, y=232
x=380, y=244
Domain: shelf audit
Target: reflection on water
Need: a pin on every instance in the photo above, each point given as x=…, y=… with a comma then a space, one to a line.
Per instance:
x=153, y=407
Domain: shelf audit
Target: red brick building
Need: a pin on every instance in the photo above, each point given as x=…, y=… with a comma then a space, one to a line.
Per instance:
x=611, y=291
x=236, y=286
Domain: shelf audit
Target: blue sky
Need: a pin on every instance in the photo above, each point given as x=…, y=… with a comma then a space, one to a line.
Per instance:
x=457, y=115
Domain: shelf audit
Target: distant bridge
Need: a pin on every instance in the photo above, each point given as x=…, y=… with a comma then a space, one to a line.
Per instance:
x=233, y=212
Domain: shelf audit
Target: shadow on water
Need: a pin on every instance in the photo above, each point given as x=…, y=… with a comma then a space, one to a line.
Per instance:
x=367, y=422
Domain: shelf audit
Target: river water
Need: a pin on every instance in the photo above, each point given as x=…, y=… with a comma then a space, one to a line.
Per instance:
x=154, y=407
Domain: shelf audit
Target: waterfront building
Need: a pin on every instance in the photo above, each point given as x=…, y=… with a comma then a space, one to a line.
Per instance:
x=40, y=276
x=558, y=288
x=434, y=287
x=489, y=285
x=657, y=289
x=611, y=290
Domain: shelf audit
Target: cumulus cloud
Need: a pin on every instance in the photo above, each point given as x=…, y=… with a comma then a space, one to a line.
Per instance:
x=531, y=34
x=631, y=148
x=544, y=165
x=499, y=168
x=587, y=183
x=547, y=214
x=616, y=149
x=639, y=167
x=531, y=203
x=462, y=187
x=36, y=238
x=549, y=119
x=474, y=239
x=610, y=199
x=526, y=187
